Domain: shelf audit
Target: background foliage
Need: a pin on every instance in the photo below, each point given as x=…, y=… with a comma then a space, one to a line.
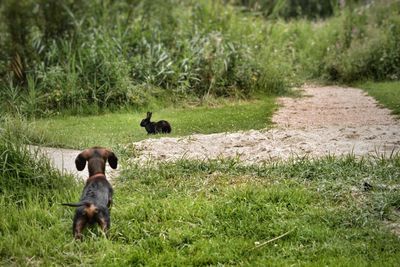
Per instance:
x=88, y=56
x=75, y=55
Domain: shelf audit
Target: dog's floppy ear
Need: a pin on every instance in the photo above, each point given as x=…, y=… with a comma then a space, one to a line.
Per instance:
x=80, y=161
x=112, y=160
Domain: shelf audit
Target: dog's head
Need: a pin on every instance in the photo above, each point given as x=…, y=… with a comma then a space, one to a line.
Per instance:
x=96, y=158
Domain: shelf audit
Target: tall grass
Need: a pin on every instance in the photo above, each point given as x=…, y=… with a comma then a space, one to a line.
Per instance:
x=289, y=9
x=359, y=43
x=77, y=60
x=114, y=54
x=24, y=171
x=368, y=46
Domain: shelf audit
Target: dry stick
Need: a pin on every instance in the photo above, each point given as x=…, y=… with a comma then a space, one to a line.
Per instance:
x=273, y=239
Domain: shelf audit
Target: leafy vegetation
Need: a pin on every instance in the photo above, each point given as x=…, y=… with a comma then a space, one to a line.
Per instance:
x=358, y=44
x=289, y=9
x=64, y=56
x=387, y=93
x=368, y=46
x=78, y=62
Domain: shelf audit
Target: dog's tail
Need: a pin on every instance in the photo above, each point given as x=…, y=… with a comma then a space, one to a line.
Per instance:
x=79, y=204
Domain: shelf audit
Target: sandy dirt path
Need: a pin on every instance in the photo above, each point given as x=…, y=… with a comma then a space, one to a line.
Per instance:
x=327, y=120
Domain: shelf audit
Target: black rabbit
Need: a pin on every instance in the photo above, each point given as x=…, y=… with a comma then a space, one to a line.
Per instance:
x=155, y=127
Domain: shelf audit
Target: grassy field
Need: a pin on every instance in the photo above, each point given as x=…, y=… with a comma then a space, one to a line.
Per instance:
x=203, y=213
x=316, y=212
x=113, y=129
x=210, y=213
x=387, y=93
x=121, y=128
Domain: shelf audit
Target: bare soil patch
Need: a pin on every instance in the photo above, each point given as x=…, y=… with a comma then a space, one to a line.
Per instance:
x=326, y=120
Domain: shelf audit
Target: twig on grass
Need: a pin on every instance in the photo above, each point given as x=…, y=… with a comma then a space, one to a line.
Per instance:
x=273, y=239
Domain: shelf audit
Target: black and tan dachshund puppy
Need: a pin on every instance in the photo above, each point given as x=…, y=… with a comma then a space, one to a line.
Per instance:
x=96, y=199
x=155, y=127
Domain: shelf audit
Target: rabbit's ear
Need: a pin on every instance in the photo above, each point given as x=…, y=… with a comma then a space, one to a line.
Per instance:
x=149, y=114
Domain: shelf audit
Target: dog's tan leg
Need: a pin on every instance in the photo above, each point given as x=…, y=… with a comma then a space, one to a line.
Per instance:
x=103, y=224
x=79, y=224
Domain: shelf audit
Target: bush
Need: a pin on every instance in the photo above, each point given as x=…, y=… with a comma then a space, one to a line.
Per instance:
x=91, y=59
x=359, y=43
x=289, y=9
x=78, y=60
x=368, y=47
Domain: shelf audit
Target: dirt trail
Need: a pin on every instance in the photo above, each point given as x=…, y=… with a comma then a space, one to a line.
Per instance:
x=331, y=106
x=325, y=121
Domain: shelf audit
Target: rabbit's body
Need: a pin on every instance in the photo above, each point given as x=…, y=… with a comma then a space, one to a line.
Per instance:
x=155, y=127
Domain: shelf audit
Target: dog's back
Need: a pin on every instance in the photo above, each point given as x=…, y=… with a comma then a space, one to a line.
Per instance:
x=97, y=191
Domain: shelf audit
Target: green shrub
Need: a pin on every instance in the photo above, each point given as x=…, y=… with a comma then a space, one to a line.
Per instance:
x=99, y=58
x=289, y=9
x=196, y=48
x=367, y=47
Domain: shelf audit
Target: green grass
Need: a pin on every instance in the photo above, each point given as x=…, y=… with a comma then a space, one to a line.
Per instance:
x=387, y=93
x=112, y=129
x=210, y=213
